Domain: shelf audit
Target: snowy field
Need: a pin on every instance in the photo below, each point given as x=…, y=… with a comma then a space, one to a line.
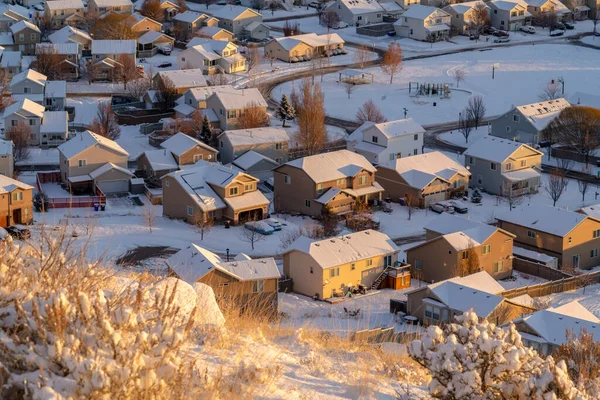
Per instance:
x=523, y=72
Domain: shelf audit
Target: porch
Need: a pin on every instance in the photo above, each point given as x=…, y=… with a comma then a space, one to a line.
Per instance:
x=521, y=182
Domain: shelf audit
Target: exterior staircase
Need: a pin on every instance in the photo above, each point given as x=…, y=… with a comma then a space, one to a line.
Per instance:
x=380, y=279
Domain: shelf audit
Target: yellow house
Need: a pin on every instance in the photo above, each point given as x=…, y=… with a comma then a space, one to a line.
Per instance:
x=330, y=267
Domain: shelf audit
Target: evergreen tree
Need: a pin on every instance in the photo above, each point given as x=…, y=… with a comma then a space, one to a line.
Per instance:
x=286, y=111
x=206, y=132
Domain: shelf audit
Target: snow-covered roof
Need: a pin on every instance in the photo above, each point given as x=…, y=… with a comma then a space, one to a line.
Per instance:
x=64, y=35
x=255, y=136
x=209, y=31
x=311, y=39
x=334, y=165
x=185, y=77
x=151, y=36
x=193, y=182
x=461, y=8
x=30, y=75
x=85, y=140
x=161, y=160
x=544, y=218
x=419, y=11
x=10, y=58
x=470, y=237
x=559, y=7
x=585, y=99
x=251, y=158
x=507, y=5
x=7, y=184
x=462, y=298
x=288, y=43
x=237, y=99
x=495, y=149
x=55, y=89
x=205, y=51
x=392, y=129
x=54, y=122
x=63, y=4
x=58, y=48
x=252, y=269
x=6, y=39
x=19, y=26
x=108, y=167
x=542, y=113
x=254, y=25
x=480, y=281
x=113, y=3
x=391, y=6
x=203, y=93
x=447, y=223
x=180, y=143
x=592, y=211
x=14, y=11
x=247, y=200
x=232, y=12
x=189, y=16
x=534, y=255
x=6, y=147
x=25, y=105
x=521, y=174
x=358, y=7
x=346, y=248
x=114, y=47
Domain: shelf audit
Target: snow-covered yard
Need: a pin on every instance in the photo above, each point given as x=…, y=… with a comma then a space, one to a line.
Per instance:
x=588, y=297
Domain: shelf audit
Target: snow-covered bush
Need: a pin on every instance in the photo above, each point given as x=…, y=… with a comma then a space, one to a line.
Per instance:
x=471, y=359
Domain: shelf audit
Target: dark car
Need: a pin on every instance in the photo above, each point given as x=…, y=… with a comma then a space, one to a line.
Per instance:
x=557, y=33
x=500, y=33
x=165, y=65
x=569, y=25
x=559, y=25
x=18, y=233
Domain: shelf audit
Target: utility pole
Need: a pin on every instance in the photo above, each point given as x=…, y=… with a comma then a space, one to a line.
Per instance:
x=496, y=65
x=405, y=112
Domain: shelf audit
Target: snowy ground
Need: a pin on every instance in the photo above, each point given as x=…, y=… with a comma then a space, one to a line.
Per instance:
x=520, y=279
x=591, y=40
x=590, y=299
x=86, y=108
x=457, y=138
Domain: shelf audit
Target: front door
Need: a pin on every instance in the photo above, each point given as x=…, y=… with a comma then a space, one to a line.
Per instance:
x=16, y=216
x=575, y=259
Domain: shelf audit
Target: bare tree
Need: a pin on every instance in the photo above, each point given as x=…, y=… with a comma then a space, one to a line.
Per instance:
x=252, y=58
x=218, y=79
x=4, y=88
x=370, y=112
x=480, y=19
x=512, y=199
x=330, y=19
x=139, y=87
x=291, y=28
x=152, y=10
x=20, y=135
x=557, y=183
x=105, y=124
x=550, y=91
x=207, y=2
x=581, y=350
x=258, y=5
x=204, y=224
x=126, y=70
x=149, y=214
x=270, y=57
x=251, y=236
x=584, y=185
x=595, y=13
x=349, y=86
x=469, y=263
x=392, y=61
x=465, y=124
x=113, y=27
x=274, y=6
x=362, y=55
x=253, y=116
x=46, y=61
x=312, y=133
x=411, y=203
x=181, y=6
x=476, y=110
x=459, y=75
x=166, y=93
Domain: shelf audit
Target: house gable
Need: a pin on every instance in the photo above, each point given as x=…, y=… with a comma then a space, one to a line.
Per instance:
x=523, y=152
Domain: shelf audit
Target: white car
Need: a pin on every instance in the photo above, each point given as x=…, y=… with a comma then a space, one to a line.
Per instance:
x=341, y=25
x=528, y=29
x=441, y=207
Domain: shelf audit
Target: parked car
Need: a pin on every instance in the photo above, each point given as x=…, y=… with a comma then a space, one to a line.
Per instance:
x=165, y=65
x=499, y=33
x=557, y=33
x=596, y=33
x=559, y=25
x=18, y=232
x=528, y=29
x=459, y=206
x=166, y=50
x=273, y=223
x=502, y=40
x=441, y=207
x=259, y=226
x=568, y=25
x=341, y=25
x=314, y=4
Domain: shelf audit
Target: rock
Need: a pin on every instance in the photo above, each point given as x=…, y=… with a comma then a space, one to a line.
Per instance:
x=185, y=295
x=208, y=311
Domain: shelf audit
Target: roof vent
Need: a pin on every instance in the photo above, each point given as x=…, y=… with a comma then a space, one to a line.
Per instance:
x=332, y=241
x=317, y=244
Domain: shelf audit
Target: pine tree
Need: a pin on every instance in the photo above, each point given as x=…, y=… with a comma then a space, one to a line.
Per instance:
x=286, y=111
x=206, y=132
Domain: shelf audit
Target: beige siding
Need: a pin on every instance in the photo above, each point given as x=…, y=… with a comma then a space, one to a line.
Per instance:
x=188, y=157
x=95, y=158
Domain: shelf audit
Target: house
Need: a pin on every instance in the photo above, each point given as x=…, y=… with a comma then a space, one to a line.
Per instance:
x=328, y=268
x=45, y=128
x=188, y=22
x=180, y=80
x=10, y=15
x=509, y=15
x=101, y=7
x=34, y=86
x=25, y=36
x=250, y=285
x=140, y=24
x=332, y=181
x=179, y=150
x=212, y=56
x=67, y=55
x=580, y=10
x=229, y=104
x=150, y=41
x=465, y=15
x=439, y=302
x=456, y=246
x=208, y=191
x=90, y=161
x=358, y=12
x=16, y=202
x=10, y=61
x=546, y=330
x=392, y=10
x=108, y=55
x=269, y=141
x=256, y=31
x=503, y=167
x=422, y=180
x=236, y=18
x=309, y=45
x=539, y=7
x=7, y=161
x=424, y=23
x=215, y=33
x=70, y=34
x=195, y=99
x=64, y=12
x=572, y=237
x=255, y=164
x=387, y=141
x=170, y=8
x=525, y=123
x=594, y=8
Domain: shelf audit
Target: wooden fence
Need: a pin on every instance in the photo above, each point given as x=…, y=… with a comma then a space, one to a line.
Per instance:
x=68, y=202
x=544, y=289
x=381, y=335
x=537, y=269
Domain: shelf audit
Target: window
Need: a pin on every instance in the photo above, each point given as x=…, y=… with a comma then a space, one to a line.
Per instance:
x=32, y=122
x=465, y=255
x=166, y=182
x=516, y=117
x=428, y=310
x=570, y=239
x=445, y=311
x=190, y=210
x=369, y=262
x=230, y=113
x=333, y=272
x=596, y=233
x=81, y=163
x=287, y=179
x=279, y=160
x=197, y=157
x=523, y=163
x=415, y=152
x=312, y=270
x=508, y=129
x=319, y=188
x=33, y=36
x=278, y=146
x=362, y=180
x=359, y=18
x=378, y=15
x=21, y=37
x=353, y=267
x=418, y=265
x=593, y=253
x=486, y=249
x=340, y=181
x=233, y=191
x=258, y=286
x=416, y=137
x=374, y=139
x=307, y=203
x=499, y=266
x=17, y=196
x=392, y=156
x=471, y=160
x=26, y=89
x=436, y=313
x=531, y=234
x=411, y=31
x=508, y=166
x=248, y=187
x=493, y=166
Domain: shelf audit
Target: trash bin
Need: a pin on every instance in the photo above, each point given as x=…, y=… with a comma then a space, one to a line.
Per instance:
x=96, y=207
x=434, y=104
x=226, y=224
x=102, y=207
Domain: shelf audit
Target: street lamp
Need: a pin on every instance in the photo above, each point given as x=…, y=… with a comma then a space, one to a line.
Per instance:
x=405, y=112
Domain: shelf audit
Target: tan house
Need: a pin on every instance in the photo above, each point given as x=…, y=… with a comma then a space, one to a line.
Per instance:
x=64, y=12
x=236, y=18
x=250, y=285
x=16, y=202
x=304, y=47
x=540, y=7
x=572, y=237
x=210, y=191
x=70, y=34
x=11, y=14
x=329, y=268
x=212, y=56
x=269, y=141
x=170, y=8
x=90, y=161
x=438, y=303
x=180, y=80
x=333, y=181
x=100, y=7
x=187, y=23
x=423, y=179
x=229, y=104
x=465, y=14
x=457, y=247
x=108, y=54
x=140, y=24
x=216, y=33
x=25, y=36
x=7, y=161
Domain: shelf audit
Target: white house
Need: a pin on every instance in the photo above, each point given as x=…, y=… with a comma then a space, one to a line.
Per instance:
x=387, y=141
x=509, y=15
x=464, y=14
x=358, y=12
x=212, y=56
x=424, y=23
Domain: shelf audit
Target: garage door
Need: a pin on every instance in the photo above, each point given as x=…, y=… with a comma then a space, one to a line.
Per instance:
x=432, y=198
x=117, y=186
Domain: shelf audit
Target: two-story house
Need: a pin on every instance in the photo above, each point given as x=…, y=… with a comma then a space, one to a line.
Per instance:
x=216, y=33
x=334, y=181
x=525, y=123
x=170, y=8
x=208, y=191
x=180, y=80
x=10, y=61
x=195, y=99
x=268, y=141
x=456, y=246
x=212, y=56
x=503, y=167
x=572, y=237
x=236, y=18
x=329, y=268
x=422, y=180
x=10, y=15
x=64, y=12
x=424, y=23
x=387, y=141
x=466, y=15
x=509, y=15
x=358, y=12
x=187, y=23
x=539, y=7
x=25, y=36
x=16, y=202
x=70, y=34
x=579, y=8
x=230, y=104
x=36, y=87
x=45, y=128
x=304, y=47
x=101, y=7
x=108, y=54
x=140, y=24
x=90, y=161
x=67, y=57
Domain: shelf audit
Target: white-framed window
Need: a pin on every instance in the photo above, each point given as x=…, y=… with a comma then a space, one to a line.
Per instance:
x=333, y=272
x=17, y=196
x=508, y=166
x=82, y=163
x=32, y=122
x=166, y=182
x=307, y=203
x=374, y=139
x=523, y=163
x=418, y=265
x=352, y=267
x=248, y=187
x=392, y=157
x=369, y=262
x=233, y=191
x=197, y=157
x=190, y=210
x=278, y=146
x=596, y=233
x=362, y=180
x=26, y=89
x=416, y=136
x=359, y=18
x=428, y=310
x=531, y=234
x=516, y=117
x=493, y=166
x=287, y=179
x=415, y=152
x=471, y=160
x=485, y=249
x=340, y=181
x=499, y=266
x=593, y=253
x=319, y=188
x=258, y=286
x=570, y=239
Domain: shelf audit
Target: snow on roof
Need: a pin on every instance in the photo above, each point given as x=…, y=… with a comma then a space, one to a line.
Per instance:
x=314, y=40
x=54, y=122
x=10, y=59
x=391, y=6
x=241, y=137
x=189, y=16
x=19, y=26
x=593, y=211
x=209, y=31
x=6, y=147
x=251, y=158
x=247, y=200
x=161, y=160
x=30, y=75
x=334, y=165
x=534, y=255
x=7, y=184
x=205, y=50
x=361, y=6
x=495, y=149
x=211, y=44
x=544, y=218
x=480, y=281
x=542, y=113
x=585, y=99
x=232, y=12
x=254, y=25
x=329, y=195
x=108, y=167
x=462, y=298
x=64, y=35
x=113, y=3
x=180, y=143
x=242, y=257
x=151, y=36
x=470, y=237
x=524, y=300
x=507, y=5
x=55, y=89
x=6, y=39
x=193, y=262
x=26, y=105
x=288, y=43
x=447, y=223
x=114, y=47
x=521, y=174
x=185, y=77
x=346, y=248
x=461, y=8
x=63, y=4
x=419, y=11
x=85, y=140
x=236, y=99
x=250, y=270
x=58, y=48
x=398, y=128
x=14, y=11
